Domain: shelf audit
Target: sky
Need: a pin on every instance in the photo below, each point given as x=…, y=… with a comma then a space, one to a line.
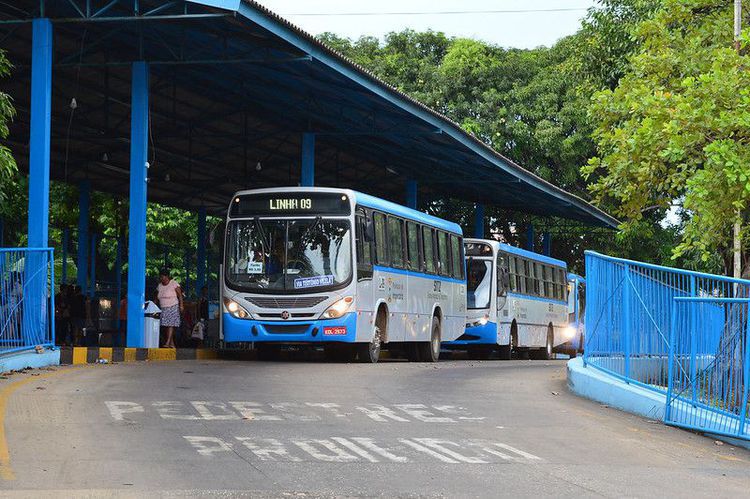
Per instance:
x=528, y=29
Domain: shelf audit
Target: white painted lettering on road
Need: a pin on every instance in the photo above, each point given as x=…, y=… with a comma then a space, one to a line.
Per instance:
x=118, y=409
x=355, y=448
x=428, y=451
x=171, y=410
x=286, y=409
x=268, y=449
x=208, y=446
x=441, y=445
x=420, y=412
x=370, y=444
x=380, y=413
x=317, y=448
x=252, y=410
x=333, y=408
x=206, y=413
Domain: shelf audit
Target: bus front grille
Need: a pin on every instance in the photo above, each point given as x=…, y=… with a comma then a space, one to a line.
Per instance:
x=286, y=328
x=286, y=302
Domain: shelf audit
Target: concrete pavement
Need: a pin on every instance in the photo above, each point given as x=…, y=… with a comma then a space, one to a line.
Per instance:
x=456, y=428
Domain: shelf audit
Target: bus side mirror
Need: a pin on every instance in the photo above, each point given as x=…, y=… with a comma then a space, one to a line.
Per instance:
x=369, y=230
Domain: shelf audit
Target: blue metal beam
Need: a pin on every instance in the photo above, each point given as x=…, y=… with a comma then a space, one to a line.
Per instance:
x=411, y=194
x=138, y=179
x=84, y=200
x=92, y=272
x=479, y=221
x=40, y=133
x=530, y=236
x=307, y=178
x=201, y=251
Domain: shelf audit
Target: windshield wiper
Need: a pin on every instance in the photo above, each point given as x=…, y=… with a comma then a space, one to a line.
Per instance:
x=313, y=227
x=262, y=234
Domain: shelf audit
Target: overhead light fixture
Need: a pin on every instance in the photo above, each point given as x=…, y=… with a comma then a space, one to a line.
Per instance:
x=105, y=157
x=167, y=178
x=258, y=167
x=391, y=170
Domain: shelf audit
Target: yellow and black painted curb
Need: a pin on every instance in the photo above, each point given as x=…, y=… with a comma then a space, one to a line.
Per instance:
x=92, y=355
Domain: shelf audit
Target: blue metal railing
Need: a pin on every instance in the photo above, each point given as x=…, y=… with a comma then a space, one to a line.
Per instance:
x=27, y=303
x=629, y=314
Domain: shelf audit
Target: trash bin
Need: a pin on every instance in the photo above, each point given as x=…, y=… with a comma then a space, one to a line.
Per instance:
x=152, y=321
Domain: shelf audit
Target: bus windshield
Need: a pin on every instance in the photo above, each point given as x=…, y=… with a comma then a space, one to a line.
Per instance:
x=478, y=283
x=288, y=256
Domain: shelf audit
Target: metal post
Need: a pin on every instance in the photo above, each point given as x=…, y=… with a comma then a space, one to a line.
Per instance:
x=479, y=221
x=65, y=242
x=39, y=139
x=411, y=194
x=35, y=287
x=137, y=215
x=530, y=235
x=547, y=243
x=118, y=280
x=200, y=255
x=746, y=378
x=693, y=331
x=92, y=272
x=626, y=319
x=308, y=160
x=84, y=200
x=670, y=363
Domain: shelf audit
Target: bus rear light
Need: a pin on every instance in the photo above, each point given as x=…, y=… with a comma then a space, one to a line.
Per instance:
x=338, y=309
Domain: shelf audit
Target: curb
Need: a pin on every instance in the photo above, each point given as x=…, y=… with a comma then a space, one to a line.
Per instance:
x=90, y=355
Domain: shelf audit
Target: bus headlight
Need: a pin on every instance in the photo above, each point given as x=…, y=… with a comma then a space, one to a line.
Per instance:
x=338, y=309
x=569, y=332
x=236, y=310
x=479, y=322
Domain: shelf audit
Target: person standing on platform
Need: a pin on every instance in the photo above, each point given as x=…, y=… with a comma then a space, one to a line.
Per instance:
x=170, y=302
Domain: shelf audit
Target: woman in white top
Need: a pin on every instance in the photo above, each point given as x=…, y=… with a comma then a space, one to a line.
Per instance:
x=170, y=302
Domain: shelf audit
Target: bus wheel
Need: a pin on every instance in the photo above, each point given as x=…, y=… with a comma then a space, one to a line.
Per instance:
x=429, y=351
x=369, y=353
x=479, y=353
x=546, y=352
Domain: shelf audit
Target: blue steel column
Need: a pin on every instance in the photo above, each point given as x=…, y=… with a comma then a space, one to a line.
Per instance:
x=37, y=316
x=118, y=281
x=65, y=242
x=308, y=160
x=530, y=235
x=138, y=176
x=84, y=200
x=92, y=272
x=39, y=139
x=626, y=327
x=547, y=243
x=479, y=221
x=411, y=194
x=200, y=254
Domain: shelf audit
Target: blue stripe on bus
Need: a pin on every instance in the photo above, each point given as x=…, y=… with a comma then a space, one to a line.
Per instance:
x=402, y=211
x=417, y=274
x=536, y=298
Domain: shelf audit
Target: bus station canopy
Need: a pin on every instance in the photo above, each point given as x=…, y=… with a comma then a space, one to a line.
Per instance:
x=233, y=89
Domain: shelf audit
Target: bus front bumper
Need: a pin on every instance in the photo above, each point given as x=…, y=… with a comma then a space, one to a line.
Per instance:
x=476, y=335
x=343, y=329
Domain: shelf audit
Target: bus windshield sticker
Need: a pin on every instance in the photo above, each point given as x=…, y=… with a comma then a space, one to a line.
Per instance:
x=254, y=267
x=312, y=282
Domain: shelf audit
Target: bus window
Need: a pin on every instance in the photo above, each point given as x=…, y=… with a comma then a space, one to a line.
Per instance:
x=458, y=267
x=478, y=283
x=528, y=268
x=412, y=245
x=429, y=249
x=445, y=267
x=364, y=250
x=395, y=238
x=381, y=243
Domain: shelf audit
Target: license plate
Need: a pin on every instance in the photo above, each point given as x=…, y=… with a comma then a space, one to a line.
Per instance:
x=334, y=331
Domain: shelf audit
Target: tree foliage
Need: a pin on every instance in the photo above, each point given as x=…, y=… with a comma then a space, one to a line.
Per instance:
x=8, y=168
x=675, y=130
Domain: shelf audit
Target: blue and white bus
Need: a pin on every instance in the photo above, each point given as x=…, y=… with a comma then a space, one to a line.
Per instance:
x=340, y=269
x=575, y=332
x=516, y=301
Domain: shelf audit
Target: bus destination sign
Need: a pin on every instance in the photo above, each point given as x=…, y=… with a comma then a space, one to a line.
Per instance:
x=292, y=203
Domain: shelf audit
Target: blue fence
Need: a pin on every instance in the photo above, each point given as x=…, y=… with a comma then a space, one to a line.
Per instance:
x=680, y=333
x=27, y=303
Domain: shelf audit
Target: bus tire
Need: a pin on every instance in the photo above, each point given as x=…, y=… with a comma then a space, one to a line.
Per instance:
x=369, y=353
x=429, y=351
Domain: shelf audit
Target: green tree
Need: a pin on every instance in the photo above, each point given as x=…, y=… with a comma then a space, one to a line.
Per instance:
x=675, y=131
x=8, y=169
